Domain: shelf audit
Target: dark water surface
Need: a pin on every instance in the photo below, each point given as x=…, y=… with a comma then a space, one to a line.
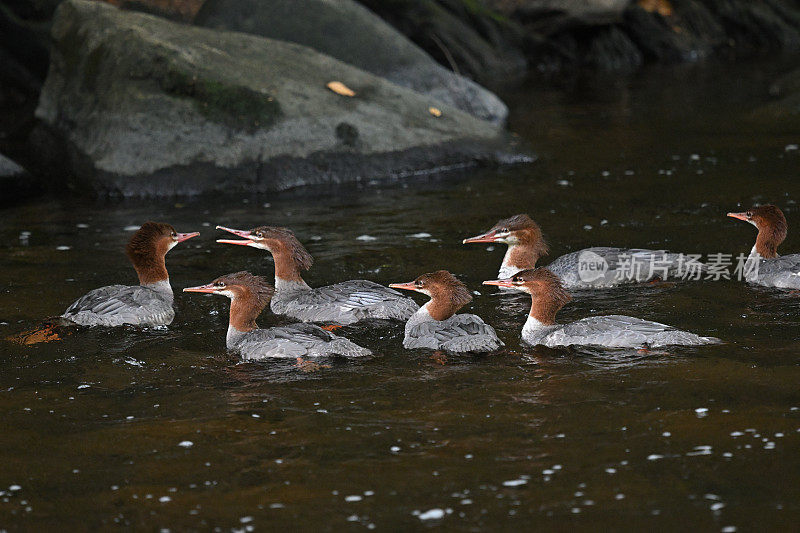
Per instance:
x=701, y=439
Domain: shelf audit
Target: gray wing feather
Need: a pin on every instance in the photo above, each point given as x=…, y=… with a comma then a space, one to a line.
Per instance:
x=782, y=272
x=116, y=305
x=459, y=333
x=617, y=331
x=345, y=303
x=296, y=340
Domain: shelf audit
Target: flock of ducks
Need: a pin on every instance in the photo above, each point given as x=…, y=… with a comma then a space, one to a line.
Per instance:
x=436, y=325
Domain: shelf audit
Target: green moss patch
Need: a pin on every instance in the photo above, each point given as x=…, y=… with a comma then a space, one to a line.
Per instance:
x=235, y=106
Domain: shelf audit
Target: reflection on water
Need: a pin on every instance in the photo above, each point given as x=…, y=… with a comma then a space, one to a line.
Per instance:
x=162, y=428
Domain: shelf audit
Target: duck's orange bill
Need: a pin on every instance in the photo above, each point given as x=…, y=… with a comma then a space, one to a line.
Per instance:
x=490, y=236
x=201, y=288
x=499, y=283
x=233, y=241
x=238, y=232
x=407, y=286
x=186, y=236
x=740, y=216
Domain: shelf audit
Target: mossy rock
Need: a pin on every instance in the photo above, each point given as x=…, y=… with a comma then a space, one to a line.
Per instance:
x=145, y=106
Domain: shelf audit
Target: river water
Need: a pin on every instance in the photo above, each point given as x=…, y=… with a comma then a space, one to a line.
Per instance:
x=164, y=429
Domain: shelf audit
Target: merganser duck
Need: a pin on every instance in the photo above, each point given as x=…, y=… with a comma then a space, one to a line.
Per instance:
x=437, y=326
x=590, y=268
x=249, y=296
x=342, y=303
x=146, y=304
x=612, y=331
x=764, y=266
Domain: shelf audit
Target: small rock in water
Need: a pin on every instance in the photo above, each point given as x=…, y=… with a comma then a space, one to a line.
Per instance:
x=186, y=444
x=515, y=482
x=564, y=183
x=421, y=235
x=131, y=228
x=353, y=498
x=791, y=147
x=82, y=226
x=366, y=238
x=63, y=248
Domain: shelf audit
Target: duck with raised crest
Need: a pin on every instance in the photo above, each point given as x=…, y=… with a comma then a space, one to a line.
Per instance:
x=249, y=296
x=613, y=331
x=342, y=303
x=602, y=266
x=436, y=325
x=146, y=304
x=764, y=266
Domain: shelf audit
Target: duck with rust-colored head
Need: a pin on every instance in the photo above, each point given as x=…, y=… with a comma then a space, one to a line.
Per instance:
x=341, y=303
x=146, y=304
x=436, y=325
x=764, y=266
x=612, y=331
x=249, y=296
x=591, y=268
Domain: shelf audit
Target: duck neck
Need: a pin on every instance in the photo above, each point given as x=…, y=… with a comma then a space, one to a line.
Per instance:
x=767, y=243
x=543, y=311
x=521, y=257
x=533, y=325
x=243, y=314
x=151, y=268
x=438, y=308
x=287, y=273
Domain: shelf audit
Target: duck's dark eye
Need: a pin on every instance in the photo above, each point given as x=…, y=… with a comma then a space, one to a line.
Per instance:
x=219, y=284
x=260, y=234
x=749, y=214
x=174, y=234
x=504, y=230
x=419, y=283
x=516, y=279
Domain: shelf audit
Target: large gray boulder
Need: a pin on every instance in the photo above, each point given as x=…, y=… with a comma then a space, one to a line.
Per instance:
x=145, y=106
x=351, y=33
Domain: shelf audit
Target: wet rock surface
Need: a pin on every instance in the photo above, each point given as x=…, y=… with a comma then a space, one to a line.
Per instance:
x=353, y=34
x=144, y=106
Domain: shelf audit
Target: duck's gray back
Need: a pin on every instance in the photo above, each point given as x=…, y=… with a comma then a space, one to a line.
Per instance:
x=459, y=333
x=343, y=303
x=782, y=272
x=615, y=331
x=117, y=305
x=294, y=340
